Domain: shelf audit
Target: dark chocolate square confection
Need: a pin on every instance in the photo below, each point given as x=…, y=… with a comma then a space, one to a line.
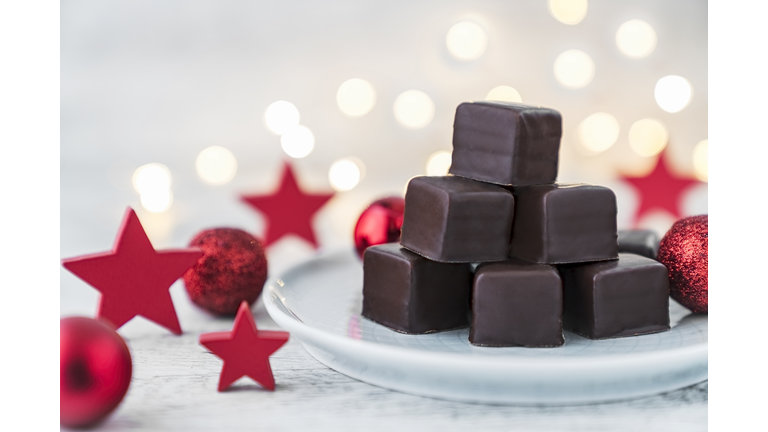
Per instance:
x=411, y=294
x=609, y=299
x=506, y=143
x=564, y=223
x=517, y=303
x=453, y=219
x=642, y=242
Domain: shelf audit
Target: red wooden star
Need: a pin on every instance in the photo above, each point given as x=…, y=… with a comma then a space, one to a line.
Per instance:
x=288, y=210
x=245, y=350
x=133, y=278
x=659, y=190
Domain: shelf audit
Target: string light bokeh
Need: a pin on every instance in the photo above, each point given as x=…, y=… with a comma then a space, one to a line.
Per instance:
x=216, y=165
x=504, y=93
x=574, y=69
x=636, y=38
x=359, y=99
x=414, y=109
x=356, y=97
x=599, y=132
x=466, y=40
x=569, y=12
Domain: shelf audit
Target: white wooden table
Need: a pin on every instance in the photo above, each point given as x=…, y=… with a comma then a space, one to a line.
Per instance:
x=174, y=388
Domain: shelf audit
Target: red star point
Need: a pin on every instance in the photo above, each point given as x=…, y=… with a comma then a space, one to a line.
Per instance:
x=245, y=350
x=288, y=210
x=134, y=278
x=659, y=190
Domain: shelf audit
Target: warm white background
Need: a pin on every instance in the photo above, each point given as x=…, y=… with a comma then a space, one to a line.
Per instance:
x=147, y=81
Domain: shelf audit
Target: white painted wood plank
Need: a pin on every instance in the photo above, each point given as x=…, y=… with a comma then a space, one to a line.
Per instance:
x=174, y=388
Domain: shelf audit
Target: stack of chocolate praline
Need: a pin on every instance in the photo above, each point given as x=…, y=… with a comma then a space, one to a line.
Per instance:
x=499, y=238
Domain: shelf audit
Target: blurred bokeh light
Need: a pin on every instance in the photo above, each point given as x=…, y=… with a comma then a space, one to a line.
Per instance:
x=438, y=163
x=673, y=93
x=636, y=38
x=414, y=109
x=151, y=177
x=569, y=12
x=466, y=40
x=158, y=200
x=153, y=183
x=281, y=116
x=574, y=69
x=298, y=141
x=356, y=97
x=345, y=174
x=648, y=137
x=599, y=132
x=701, y=160
x=216, y=165
x=504, y=93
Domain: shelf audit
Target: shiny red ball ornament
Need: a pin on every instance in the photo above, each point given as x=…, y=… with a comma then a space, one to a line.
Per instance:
x=233, y=268
x=380, y=223
x=685, y=251
x=95, y=371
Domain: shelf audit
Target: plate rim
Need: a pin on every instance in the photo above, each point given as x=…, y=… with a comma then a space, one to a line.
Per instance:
x=273, y=294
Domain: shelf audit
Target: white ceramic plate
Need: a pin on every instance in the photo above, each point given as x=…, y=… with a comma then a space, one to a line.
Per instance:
x=319, y=302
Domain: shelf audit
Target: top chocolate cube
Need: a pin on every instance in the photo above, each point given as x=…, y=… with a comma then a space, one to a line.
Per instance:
x=506, y=143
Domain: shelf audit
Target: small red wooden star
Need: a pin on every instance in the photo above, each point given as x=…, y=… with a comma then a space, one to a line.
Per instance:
x=660, y=190
x=288, y=210
x=245, y=350
x=133, y=278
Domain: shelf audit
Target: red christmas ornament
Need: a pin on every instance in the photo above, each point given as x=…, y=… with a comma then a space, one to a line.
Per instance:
x=95, y=371
x=660, y=190
x=685, y=251
x=380, y=223
x=288, y=210
x=233, y=269
x=245, y=350
x=134, y=278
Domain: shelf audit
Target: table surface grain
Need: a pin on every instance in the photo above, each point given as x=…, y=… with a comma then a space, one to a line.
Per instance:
x=175, y=378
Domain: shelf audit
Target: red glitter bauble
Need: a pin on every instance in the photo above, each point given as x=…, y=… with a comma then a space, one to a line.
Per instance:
x=232, y=269
x=95, y=371
x=380, y=223
x=685, y=251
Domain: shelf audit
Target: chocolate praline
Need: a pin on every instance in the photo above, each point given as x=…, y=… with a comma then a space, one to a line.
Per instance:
x=506, y=143
x=411, y=294
x=617, y=298
x=564, y=223
x=517, y=303
x=639, y=241
x=454, y=219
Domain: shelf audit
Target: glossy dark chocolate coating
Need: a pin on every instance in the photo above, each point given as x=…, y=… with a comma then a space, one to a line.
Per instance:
x=506, y=143
x=411, y=294
x=564, y=223
x=516, y=303
x=624, y=297
x=453, y=219
x=641, y=242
